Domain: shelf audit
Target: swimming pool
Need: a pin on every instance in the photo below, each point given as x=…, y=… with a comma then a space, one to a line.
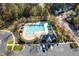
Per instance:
x=36, y=27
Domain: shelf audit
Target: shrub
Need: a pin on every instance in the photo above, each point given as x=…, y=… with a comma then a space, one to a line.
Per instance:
x=74, y=45
x=2, y=23
x=18, y=48
x=9, y=48
x=10, y=42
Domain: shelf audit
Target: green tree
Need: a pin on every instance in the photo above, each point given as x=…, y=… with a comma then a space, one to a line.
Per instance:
x=77, y=8
x=39, y=9
x=2, y=23
x=52, y=19
x=45, y=12
x=76, y=20
x=34, y=11
x=73, y=45
x=26, y=12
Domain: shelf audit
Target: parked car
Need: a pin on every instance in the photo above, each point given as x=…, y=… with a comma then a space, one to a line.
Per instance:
x=44, y=47
x=69, y=19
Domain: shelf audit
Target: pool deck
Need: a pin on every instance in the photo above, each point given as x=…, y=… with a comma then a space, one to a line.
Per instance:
x=46, y=29
x=36, y=33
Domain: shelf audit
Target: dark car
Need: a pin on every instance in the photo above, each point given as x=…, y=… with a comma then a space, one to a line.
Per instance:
x=69, y=19
x=44, y=47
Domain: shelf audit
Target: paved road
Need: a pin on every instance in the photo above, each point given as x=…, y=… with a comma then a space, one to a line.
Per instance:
x=4, y=37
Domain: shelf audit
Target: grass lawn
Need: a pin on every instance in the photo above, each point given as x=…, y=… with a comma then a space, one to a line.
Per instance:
x=2, y=54
x=0, y=42
x=18, y=48
x=10, y=42
x=9, y=48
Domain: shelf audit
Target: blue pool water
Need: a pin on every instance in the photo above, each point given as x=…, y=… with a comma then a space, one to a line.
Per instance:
x=33, y=28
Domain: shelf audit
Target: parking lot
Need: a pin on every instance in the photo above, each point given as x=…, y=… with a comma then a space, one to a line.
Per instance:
x=4, y=37
x=57, y=50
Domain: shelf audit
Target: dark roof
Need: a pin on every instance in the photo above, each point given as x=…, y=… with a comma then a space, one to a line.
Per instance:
x=49, y=37
x=45, y=37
